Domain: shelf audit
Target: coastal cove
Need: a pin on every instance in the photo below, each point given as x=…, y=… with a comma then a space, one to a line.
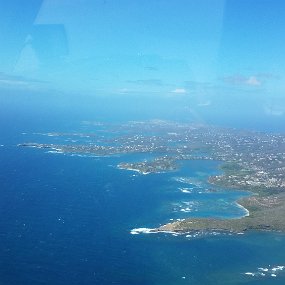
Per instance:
x=264, y=209
x=259, y=211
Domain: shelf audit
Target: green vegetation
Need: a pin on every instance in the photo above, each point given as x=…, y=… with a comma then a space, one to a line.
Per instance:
x=265, y=214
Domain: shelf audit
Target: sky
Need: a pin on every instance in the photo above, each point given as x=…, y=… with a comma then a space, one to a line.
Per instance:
x=214, y=54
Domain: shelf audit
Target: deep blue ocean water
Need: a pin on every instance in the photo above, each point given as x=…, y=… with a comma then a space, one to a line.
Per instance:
x=67, y=219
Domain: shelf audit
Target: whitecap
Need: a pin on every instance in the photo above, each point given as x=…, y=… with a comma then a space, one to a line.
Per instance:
x=277, y=268
x=54, y=151
x=249, y=273
x=142, y=231
x=185, y=190
x=186, y=210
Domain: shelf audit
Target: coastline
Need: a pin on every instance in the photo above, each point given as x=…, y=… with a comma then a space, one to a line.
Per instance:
x=262, y=214
x=243, y=208
x=263, y=210
x=250, y=162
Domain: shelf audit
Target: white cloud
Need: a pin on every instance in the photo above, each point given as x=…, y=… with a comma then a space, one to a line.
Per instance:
x=179, y=91
x=19, y=82
x=253, y=81
x=5, y=82
x=273, y=111
x=243, y=80
x=204, y=104
x=124, y=91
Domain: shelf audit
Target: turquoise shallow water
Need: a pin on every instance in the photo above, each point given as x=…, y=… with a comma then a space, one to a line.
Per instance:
x=67, y=220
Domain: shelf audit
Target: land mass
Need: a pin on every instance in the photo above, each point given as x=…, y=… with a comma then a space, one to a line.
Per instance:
x=252, y=161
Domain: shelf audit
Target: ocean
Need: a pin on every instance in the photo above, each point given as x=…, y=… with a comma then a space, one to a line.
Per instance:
x=68, y=219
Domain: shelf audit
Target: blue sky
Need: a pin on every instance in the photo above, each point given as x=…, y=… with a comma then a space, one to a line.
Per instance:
x=208, y=51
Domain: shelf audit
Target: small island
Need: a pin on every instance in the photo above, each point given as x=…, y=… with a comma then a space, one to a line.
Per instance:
x=158, y=165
